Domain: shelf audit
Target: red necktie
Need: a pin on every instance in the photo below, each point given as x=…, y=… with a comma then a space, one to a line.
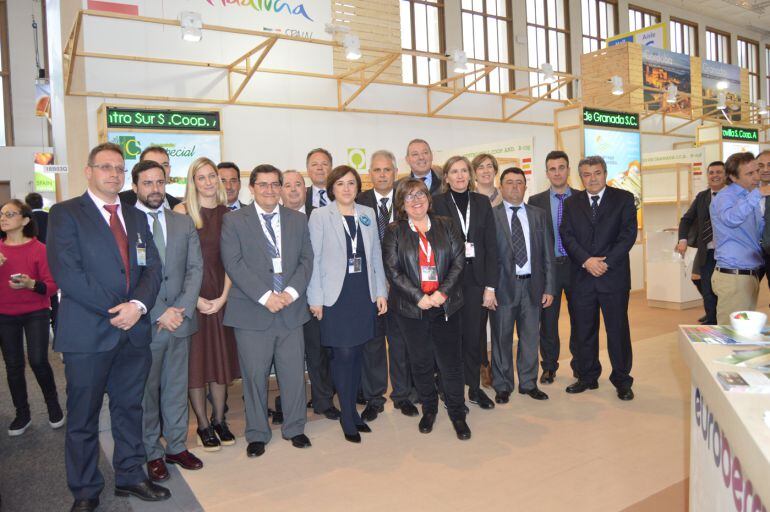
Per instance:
x=120, y=237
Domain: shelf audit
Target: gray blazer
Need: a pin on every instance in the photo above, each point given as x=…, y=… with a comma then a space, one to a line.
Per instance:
x=182, y=273
x=249, y=264
x=331, y=254
x=541, y=255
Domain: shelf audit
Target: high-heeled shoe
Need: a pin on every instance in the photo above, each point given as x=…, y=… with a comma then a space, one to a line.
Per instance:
x=363, y=427
x=353, y=438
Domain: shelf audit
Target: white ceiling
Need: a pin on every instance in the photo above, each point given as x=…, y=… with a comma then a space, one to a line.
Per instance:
x=738, y=12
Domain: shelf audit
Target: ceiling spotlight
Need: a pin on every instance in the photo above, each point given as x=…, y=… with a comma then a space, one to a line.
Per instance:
x=459, y=61
x=617, y=85
x=762, y=107
x=722, y=85
x=547, y=70
x=722, y=100
x=192, y=26
x=671, y=92
x=352, y=45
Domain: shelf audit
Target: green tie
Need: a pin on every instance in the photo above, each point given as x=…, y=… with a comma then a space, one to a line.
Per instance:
x=157, y=235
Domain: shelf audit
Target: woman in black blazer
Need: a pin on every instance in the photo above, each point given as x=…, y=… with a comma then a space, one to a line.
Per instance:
x=424, y=259
x=472, y=214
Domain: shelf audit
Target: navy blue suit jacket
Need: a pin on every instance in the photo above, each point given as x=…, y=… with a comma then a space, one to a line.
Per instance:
x=86, y=264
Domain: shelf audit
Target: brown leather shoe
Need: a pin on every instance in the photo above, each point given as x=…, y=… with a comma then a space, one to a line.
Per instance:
x=486, y=376
x=156, y=470
x=185, y=460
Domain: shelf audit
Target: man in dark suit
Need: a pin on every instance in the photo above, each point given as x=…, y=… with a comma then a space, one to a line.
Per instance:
x=599, y=230
x=697, y=218
x=160, y=155
x=551, y=201
x=319, y=164
x=230, y=176
x=266, y=251
x=419, y=157
x=101, y=254
x=525, y=259
x=374, y=378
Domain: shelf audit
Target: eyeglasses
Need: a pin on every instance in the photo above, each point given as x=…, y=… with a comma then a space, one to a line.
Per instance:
x=109, y=168
x=9, y=215
x=415, y=196
x=263, y=185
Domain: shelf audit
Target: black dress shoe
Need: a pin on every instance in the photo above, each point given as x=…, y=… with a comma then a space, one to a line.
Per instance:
x=581, y=385
x=407, y=408
x=363, y=427
x=277, y=418
x=703, y=318
x=207, y=438
x=625, y=394
x=426, y=422
x=481, y=399
x=360, y=400
x=300, y=441
x=502, y=397
x=369, y=413
x=310, y=404
x=226, y=438
x=255, y=449
x=332, y=413
x=353, y=438
x=462, y=429
x=534, y=393
x=146, y=491
x=85, y=505
x=547, y=377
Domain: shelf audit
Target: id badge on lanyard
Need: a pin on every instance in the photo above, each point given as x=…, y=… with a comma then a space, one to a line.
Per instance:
x=470, y=250
x=141, y=251
x=428, y=273
x=354, y=262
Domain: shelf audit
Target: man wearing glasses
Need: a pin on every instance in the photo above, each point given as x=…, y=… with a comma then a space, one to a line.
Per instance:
x=102, y=256
x=160, y=155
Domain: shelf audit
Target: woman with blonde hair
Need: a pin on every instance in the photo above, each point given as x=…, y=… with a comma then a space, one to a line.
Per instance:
x=213, y=353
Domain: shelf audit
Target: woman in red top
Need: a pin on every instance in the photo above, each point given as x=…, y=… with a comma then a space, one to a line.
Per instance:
x=26, y=287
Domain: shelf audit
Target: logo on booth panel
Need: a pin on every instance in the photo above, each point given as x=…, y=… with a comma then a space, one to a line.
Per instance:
x=130, y=146
x=290, y=7
x=357, y=158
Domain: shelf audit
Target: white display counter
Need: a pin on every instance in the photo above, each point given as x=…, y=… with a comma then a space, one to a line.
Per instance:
x=669, y=283
x=729, y=441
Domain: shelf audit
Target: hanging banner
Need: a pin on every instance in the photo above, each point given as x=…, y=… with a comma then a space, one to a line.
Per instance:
x=622, y=152
x=719, y=77
x=654, y=35
x=661, y=68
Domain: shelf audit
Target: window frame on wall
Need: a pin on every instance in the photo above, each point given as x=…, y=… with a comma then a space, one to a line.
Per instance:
x=717, y=34
x=566, y=59
x=5, y=76
x=594, y=38
x=767, y=73
x=645, y=14
x=679, y=36
x=494, y=81
x=750, y=63
x=410, y=63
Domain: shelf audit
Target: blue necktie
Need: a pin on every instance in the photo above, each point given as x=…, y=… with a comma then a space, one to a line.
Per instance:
x=321, y=198
x=594, y=207
x=519, y=244
x=273, y=244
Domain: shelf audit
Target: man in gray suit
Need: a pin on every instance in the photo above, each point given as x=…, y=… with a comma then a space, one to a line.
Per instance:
x=266, y=252
x=526, y=287
x=174, y=320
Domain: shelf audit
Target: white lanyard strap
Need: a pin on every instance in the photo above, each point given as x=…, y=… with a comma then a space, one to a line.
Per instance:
x=466, y=222
x=353, y=239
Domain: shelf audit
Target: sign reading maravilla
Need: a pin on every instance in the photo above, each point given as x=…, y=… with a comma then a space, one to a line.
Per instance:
x=742, y=134
x=610, y=119
x=177, y=120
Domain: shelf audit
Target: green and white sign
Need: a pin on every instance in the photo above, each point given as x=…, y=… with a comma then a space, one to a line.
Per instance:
x=162, y=119
x=357, y=158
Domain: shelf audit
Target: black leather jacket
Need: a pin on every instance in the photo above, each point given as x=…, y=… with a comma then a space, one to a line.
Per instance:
x=400, y=249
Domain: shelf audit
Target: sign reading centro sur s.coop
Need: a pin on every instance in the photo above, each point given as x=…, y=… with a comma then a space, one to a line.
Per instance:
x=610, y=119
x=176, y=120
x=742, y=134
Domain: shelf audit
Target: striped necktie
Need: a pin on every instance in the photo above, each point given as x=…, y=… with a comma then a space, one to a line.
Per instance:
x=272, y=243
x=517, y=233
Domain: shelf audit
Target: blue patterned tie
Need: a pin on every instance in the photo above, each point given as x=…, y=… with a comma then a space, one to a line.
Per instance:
x=383, y=217
x=594, y=207
x=321, y=198
x=559, y=215
x=519, y=244
x=273, y=245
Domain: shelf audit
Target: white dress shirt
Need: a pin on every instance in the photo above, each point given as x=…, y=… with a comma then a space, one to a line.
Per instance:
x=389, y=205
x=235, y=206
x=317, y=197
x=600, y=194
x=275, y=223
x=522, y=215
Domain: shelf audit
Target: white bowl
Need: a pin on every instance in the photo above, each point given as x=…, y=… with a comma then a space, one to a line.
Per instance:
x=750, y=326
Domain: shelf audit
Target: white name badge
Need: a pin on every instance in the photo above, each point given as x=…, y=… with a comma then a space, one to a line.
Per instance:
x=354, y=265
x=277, y=269
x=470, y=250
x=428, y=274
x=141, y=255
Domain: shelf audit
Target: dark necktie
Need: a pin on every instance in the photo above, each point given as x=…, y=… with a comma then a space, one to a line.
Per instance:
x=273, y=244
x=383, y=217
x=594, y=207
x=234, y=207
x=559, y=215
x=321, y=198
x=708, y=230
x=120, y=238
x=157, y=235
x=517, y=233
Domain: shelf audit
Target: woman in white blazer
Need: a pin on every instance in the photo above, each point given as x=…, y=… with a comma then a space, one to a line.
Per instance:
x=348, y=287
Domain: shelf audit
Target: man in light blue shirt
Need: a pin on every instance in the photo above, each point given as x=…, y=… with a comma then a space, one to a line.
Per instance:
x=736, y=218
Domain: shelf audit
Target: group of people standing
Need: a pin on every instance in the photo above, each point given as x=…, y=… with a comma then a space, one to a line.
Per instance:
x=165, y=299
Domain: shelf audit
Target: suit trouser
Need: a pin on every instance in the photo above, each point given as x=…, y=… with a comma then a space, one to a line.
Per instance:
x=470, y=321
x=321, y=385
x=256, y=352
x=710, y=299
x=165, y=395
x=345, y=363
x=614, y=310
x=525, y=316
x=736, y=293
x=434, y=341
x=374, y=375
x=122, y=373
x=550, y=344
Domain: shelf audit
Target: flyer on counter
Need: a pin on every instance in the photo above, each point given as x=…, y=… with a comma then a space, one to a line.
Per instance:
x=724, y=335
